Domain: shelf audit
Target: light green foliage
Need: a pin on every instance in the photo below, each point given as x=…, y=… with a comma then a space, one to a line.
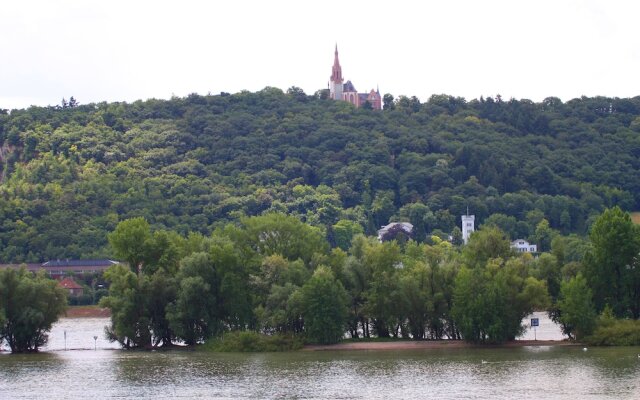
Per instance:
x=612, y=267
x=548, y=269
x=491, y=299
x=344, y=231
x=281, y=234
x=382, y=260
x=324, y=307
x=130, y=242
x=275, y=288
x=614, y=332
x=29, y=305
x=577, y=313
x=485, y=244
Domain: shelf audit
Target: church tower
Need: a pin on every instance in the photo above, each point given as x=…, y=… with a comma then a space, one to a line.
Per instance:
x=468, y=222
x=335, y=81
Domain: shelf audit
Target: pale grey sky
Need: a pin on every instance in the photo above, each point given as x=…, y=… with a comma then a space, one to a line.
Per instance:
x=128, y=50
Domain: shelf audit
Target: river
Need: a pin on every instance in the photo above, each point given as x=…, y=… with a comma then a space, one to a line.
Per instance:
x=533, y=372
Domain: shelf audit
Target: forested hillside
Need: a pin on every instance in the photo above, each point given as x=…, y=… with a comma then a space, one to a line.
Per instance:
x=70, y=174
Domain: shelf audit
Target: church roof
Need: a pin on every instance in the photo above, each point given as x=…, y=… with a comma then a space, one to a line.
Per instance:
x=348, y=87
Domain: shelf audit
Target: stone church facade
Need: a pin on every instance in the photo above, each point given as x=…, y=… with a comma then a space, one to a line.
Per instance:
x=339, y=90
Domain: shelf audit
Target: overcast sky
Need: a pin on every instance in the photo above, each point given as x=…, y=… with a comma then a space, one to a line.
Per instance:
x=128, y=50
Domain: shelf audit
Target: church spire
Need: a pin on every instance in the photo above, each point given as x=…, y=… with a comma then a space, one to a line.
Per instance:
x=336, y=71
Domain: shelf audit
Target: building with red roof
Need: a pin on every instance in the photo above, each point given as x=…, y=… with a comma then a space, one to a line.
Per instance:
x=75, y=289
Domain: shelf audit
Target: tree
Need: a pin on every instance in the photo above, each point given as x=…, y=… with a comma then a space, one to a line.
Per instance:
x=277, y=233
x=29, y=305
x=130, y=323
x=196, y=314
x=576, y=311
x=381, y=259
x=491, y=301
x=387, y=102
x=344, y=230
x=130, y=242
x=485, y=244
x=324, y=307
x=612, y=266
x=543, y=235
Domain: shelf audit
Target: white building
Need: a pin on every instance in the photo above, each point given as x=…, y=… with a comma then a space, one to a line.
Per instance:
x=468, y=222
x=522, y=246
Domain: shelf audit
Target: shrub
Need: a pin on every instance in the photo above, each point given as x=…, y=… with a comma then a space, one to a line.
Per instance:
x=615, y=333
x=249, y=341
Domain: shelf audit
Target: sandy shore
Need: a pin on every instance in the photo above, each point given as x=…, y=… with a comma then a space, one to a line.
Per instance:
x=87, y=312
x=429, y=344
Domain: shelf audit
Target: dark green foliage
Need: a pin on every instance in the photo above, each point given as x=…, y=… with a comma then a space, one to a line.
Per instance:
x=249, y=341
x=491, y=298
x=324, y=307
x=195, y=315
x=615, y=332
x=612, y=266
x=29, y=305
x=69, y=175
x=577, y=315
x=130, y=324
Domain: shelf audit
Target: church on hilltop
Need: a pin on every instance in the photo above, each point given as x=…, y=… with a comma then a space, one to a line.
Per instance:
x=347, y=92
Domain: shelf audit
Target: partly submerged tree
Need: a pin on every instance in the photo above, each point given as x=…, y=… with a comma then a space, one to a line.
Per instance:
x=490, y=303
x=612, y=267
x=576, y=311
x=324, y=307
x=29, y=305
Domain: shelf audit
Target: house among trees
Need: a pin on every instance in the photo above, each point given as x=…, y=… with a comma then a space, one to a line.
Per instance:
x=59, y=268
x=522, y=246
x=400, y=231
x=74, y=289
x=338, y=90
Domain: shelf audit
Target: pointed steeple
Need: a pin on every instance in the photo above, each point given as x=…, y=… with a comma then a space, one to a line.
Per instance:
x=336, y=71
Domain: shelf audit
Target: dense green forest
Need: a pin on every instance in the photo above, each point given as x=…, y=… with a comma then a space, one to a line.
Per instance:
x=275, y=275
x=71, y=173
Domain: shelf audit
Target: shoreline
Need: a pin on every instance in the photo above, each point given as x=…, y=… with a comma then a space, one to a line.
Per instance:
x=431, y=344
x=87, y=312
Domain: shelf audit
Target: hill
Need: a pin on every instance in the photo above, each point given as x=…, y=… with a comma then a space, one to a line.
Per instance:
x=70, y=174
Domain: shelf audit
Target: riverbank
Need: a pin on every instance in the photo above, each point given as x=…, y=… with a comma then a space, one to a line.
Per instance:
x=430, y=344
x=87, y=312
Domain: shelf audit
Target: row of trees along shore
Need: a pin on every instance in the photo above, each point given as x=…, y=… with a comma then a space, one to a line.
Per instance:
x=274, y=274
x=277, y=276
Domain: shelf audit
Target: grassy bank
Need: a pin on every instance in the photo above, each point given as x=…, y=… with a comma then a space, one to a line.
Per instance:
x=253, y=342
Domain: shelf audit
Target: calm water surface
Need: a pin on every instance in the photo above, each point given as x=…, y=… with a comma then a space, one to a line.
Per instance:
x=537, y=372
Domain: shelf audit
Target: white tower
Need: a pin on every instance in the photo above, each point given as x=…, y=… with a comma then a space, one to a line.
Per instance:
x=467, y=226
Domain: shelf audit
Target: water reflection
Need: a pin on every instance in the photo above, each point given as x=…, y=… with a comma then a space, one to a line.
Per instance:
x=526, y=373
